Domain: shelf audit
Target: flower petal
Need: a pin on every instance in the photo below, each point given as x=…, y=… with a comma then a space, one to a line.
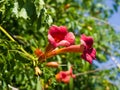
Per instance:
x=73, y=76
x=58, y=78
x=63, y=30
x=63, y=43
x=70, y=38
x=58, y=32
x=66, y=79
x=93, y=53
x=69, y=72
x=87, y=41
x=53, y=29
x=87, y=57
x=51, y=40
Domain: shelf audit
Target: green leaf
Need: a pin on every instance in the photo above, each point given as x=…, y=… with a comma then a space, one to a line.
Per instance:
x=39, y=86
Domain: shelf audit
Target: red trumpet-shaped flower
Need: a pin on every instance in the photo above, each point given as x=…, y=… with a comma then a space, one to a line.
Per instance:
x=64, y=76
x=59, y=36
x=89, y=52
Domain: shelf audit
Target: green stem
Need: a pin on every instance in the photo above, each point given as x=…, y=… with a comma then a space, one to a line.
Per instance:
x=6, y=33
x=12, y=39
x=27, y=54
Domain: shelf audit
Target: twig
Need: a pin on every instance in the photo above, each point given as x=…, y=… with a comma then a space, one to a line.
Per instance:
x=100, y=20
x=92, y=71
x=106, y=22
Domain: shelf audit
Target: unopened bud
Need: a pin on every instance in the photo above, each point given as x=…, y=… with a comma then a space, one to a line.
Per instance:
x=37, y=71
x=67, y=6
x=46, y=86
x=38, y=52
x=52, y=64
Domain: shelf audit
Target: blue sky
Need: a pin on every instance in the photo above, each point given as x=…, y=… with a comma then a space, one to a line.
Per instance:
x=113, y=62
x=114, y=20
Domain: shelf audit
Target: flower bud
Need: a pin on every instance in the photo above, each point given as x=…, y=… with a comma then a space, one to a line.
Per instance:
x=67, y=6
x=37, y=71
x=38, y=52
x=52, y=64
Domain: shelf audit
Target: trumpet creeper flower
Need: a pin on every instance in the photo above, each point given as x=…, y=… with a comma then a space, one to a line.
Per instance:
x=65, y=76
x=89, y=52
x=59, y=36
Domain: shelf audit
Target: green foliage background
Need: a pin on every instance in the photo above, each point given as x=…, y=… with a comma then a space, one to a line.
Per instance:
x=28, y=21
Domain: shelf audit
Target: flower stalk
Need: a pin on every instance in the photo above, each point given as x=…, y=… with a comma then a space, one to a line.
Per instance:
x=6, y=33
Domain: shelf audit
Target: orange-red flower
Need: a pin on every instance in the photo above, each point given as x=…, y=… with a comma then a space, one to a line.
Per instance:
x=59, y=36
x=64, y=76
x=89, y=52
x=38, y=52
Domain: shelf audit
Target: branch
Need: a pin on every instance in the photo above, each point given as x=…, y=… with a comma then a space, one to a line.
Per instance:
x=92, y=71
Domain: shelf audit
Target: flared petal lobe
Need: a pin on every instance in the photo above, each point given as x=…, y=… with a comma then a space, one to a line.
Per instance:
x=87, y=41
x=70, y=38
x=93, y=53
x=63, y=43
x=51, y=40
x=89, y=55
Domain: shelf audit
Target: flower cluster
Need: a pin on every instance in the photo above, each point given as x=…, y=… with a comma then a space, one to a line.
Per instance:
x=62, y=41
